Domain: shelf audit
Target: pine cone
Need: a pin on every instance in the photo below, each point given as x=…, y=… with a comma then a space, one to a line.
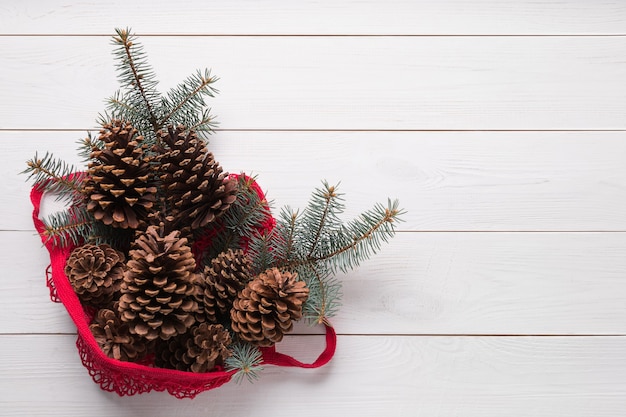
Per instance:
x=95, y=273
x=199, y=350
x=159, y=285
x=115, y=339
x=223, y=279
x=196, y=188
x=267, y=307
x=119, y=186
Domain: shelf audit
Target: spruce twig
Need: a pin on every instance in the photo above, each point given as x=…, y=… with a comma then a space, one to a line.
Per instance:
x=320, y=216
x=54, y=176
x=205, y=123
x=140, y=103
x=136, y=74
x=69, y=227
x=87, y=145
x=362, y=234
x=318, y=243
x=242, y=218
x=246, y=361
x=287, y=228
x=187, y=98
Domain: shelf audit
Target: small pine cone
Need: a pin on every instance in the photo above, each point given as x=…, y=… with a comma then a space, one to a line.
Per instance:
x=223, y=279
x=115, y=339
x=195, y=186
x=120, y=187
x=159, y=287
x=95, y=272
x=199, y=350
x=267, y=307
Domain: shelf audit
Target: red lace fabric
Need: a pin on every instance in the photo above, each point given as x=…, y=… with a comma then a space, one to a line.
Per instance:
x=126, y=378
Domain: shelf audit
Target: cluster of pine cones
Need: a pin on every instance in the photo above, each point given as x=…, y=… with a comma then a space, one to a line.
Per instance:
x=154, y=299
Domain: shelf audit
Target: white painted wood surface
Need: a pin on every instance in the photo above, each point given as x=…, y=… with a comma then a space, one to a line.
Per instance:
x=317, y=17
x=354, y=83
x=505, y=292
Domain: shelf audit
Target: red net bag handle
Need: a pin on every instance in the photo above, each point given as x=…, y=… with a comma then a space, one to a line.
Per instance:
x=271, y=357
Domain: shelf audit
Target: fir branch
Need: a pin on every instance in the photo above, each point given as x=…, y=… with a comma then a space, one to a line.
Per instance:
x=243, y=217
x=137, y=76
x=278, y=247
x=87, y=145
x=54, y=176
x=286, y=227
x=324, y=292
x=205, y=123
x=117, y=238
x=246, y=361
x=362, y=237
x=260, y=251
x=119, y=107
x=321, y=215
x=317, y=244
x=69, y=227
x=182, y=104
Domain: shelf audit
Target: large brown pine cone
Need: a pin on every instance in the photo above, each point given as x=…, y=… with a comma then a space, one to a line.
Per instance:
x=223, y=279
x=115, y=339
x=197, y=191
x=267, y=307
x=119, y=186
x=199, y=350
x=95, y=272
x=159, y=287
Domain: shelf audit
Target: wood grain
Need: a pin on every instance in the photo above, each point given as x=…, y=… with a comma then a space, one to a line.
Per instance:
x=337, y=83
x=421, y=283
x=370, y=376
x=447, y=181
x=308, y=17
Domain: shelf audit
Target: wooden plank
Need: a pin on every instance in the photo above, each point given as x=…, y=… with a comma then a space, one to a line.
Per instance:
x=445, y=17
x=421, y=283
x=369, y=376
x=447, y=181
x=363, y=83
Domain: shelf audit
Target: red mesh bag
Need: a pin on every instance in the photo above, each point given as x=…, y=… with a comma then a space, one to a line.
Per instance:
x=127, y=378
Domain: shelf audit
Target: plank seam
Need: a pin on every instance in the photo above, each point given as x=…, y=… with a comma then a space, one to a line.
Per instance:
x=494, y=335
x=324, y=35
x=18, y=130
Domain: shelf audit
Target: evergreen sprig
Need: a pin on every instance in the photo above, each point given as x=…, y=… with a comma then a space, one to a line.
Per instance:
x=137, y=78
x=139, y=102
x=324, y=292
x=118, y=238
x=320, y=218
x=87, y=145
x=361, y=238
x=242, y=219
x=68, y=227
x=54, y=176
x=317, y=244
x=246, y=360
x=182, y=102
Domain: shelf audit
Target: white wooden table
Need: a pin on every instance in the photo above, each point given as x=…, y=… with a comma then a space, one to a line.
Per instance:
x=501, y=127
